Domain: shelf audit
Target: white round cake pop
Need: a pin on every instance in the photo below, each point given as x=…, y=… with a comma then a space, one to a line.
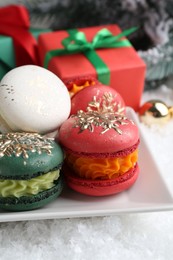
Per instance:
x=32, y=99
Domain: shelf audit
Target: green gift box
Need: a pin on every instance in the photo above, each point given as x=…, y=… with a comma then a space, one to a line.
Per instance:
x=7, y=56
x=7, y=51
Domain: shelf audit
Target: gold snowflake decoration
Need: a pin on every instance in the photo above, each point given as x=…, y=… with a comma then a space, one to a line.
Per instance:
x=19, y=144
x=105, y=104
x=100, y=113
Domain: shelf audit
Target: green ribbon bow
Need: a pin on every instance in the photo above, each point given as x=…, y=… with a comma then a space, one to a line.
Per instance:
x=77, y=43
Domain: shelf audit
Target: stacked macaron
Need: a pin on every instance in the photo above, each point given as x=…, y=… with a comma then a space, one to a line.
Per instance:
x=99, y=141
x=30, y=167
x=34, y=102
x=101, y=144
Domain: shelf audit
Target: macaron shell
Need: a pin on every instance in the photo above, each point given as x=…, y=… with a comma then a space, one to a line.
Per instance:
x=81, y=99
x=13, y=167
x=33, y=99
x=101, y=187
x=95, y=142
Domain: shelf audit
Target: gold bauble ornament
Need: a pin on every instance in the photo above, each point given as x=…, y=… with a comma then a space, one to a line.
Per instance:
x=155, y=112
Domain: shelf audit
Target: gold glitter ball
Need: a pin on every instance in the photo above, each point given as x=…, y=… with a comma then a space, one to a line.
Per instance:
x=155, y=112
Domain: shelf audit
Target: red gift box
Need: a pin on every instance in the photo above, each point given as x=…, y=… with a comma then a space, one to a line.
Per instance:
x=127, y=69
x=14, y=20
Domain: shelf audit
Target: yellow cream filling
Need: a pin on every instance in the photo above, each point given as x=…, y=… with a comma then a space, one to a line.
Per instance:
x=18, y=188
x=101, y=168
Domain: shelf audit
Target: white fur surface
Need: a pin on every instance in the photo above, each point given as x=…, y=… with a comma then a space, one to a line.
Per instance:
x=123, y=237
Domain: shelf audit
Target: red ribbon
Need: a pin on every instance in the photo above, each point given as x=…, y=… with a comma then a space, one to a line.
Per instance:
x=14, y=22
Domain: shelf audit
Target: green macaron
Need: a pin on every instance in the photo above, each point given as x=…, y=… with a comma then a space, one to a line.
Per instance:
x=30, y=171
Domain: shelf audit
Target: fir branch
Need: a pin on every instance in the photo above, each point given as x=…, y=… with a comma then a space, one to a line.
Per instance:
x=159, y=60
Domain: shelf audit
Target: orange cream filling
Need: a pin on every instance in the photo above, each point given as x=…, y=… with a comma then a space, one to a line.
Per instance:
x=101, y=168
x=76, y=88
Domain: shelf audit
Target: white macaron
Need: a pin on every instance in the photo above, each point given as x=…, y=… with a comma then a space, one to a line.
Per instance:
x=32, y=99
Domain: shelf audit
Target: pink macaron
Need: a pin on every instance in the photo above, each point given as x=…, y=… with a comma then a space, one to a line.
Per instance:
x=101, y=151
x=86, y=96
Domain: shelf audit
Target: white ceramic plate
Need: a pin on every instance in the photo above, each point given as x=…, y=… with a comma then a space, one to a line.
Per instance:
x=149, y=193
